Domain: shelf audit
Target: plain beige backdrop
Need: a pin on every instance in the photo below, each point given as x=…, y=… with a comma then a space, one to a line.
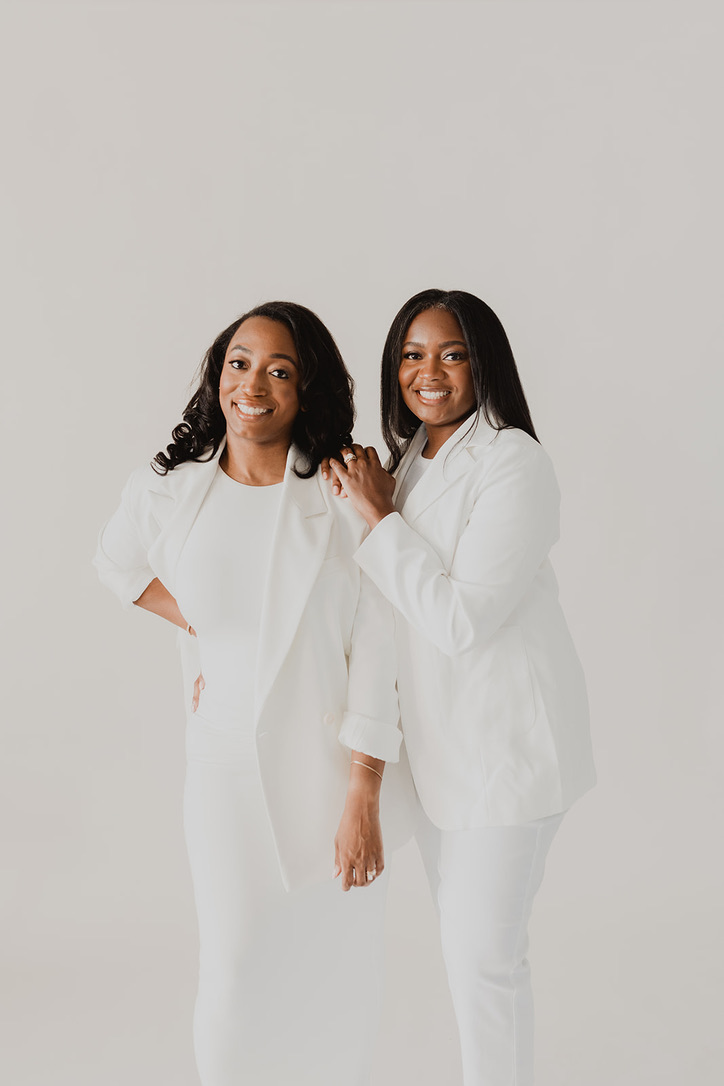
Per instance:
x=167, y=166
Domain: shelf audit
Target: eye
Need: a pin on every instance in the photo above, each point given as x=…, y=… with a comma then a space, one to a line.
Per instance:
x=456, y=356
x=238, y=363
x=411, y=356
x=280, y=373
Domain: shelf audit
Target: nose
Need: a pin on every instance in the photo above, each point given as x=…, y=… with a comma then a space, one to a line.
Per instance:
x=253, y=381
x=432, y=368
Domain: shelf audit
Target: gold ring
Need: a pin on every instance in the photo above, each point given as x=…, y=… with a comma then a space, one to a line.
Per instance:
x=348, y=459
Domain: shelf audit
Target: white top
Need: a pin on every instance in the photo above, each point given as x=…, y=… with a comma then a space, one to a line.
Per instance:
x=221, y=575
x=418, y=467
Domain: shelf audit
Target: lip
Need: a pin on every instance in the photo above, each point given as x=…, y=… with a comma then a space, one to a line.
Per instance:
x=247, y=410
x=432, y=396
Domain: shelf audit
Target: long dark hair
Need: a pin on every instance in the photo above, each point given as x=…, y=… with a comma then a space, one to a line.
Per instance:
x=498, y=392
x=321, y=429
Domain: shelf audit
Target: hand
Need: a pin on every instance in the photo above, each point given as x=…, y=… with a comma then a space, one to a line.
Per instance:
x=199, y=685
x=337, y=488
x=366, y=483
x=359, y=855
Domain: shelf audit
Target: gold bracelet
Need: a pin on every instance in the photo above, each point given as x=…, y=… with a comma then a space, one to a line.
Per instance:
x=372, y=768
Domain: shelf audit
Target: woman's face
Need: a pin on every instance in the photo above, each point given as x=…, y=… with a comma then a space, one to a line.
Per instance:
x=435, y=376
x=258, y=388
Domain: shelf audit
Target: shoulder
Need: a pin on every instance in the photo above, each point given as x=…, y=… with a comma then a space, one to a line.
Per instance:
x=147, y=486
x=512, y=458
x=512, y=447
x=348, y=524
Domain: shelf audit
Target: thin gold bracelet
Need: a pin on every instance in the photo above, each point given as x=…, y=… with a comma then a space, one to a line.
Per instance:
x=372, y=768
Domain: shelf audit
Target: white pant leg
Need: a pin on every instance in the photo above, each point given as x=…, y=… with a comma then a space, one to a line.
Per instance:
x=289, y=984
x=484, y=882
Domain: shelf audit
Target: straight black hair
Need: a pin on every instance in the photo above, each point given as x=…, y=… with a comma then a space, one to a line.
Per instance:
x=498, y=392
x=322, y=426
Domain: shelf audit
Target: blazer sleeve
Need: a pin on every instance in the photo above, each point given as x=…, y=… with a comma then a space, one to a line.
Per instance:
x=513, y=524
x=369, y=724
x=121, y=557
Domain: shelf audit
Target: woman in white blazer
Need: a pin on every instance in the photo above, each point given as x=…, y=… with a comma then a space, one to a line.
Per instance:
x=492, y=696
x=231, y=536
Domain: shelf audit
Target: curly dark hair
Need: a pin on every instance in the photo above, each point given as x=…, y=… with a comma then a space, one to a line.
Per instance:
x=321, y=429
x=498, y=391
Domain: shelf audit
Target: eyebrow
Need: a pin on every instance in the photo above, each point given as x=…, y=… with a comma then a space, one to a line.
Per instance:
x=248, y=350
x=440, y=346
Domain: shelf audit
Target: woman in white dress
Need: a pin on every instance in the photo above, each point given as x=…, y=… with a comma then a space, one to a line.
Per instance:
x=231, y=536
x=492, y=696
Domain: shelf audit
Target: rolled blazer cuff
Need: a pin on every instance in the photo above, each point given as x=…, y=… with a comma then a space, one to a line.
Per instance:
x=370, y=737
x=136, y=585
x=126, y=584
x=373, y=553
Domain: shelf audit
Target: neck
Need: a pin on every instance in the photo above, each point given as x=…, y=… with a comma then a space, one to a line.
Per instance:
x=438, y=435
x=254, y=464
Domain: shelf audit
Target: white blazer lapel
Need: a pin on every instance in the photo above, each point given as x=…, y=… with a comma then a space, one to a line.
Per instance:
x=298, y=549
x=418, y=442
x=453, y=460
x=191, y=485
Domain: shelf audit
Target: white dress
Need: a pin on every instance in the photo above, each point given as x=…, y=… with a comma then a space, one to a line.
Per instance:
x=289, y=982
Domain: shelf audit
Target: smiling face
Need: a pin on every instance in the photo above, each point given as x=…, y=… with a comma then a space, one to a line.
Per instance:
x=435, y=376
x=259, y=384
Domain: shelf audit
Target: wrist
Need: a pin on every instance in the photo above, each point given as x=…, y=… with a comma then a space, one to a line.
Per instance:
x=378, y=513
x=363, y=786
x=362, y=803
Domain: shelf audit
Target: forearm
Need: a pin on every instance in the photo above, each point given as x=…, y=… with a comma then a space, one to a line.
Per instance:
x=365, y=777
x=359, y=849
x=157, y=599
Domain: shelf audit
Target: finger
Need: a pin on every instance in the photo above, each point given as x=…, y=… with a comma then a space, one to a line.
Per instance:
x=325, y=467
x=359, y=451
x=202, y=682
x=338, y=467
x=372, y=456
x=347, y=878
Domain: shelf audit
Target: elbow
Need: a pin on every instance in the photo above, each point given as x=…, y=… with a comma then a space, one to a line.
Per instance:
x=466, y=634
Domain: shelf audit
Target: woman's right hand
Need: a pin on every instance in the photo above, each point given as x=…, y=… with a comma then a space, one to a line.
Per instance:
x=199, y=685
x=337, y=487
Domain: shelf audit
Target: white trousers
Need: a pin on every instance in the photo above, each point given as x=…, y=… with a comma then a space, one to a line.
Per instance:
x=484, y=882
x=289, y=984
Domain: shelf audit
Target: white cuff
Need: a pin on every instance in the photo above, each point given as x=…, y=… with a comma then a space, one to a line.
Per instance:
x=370, y=737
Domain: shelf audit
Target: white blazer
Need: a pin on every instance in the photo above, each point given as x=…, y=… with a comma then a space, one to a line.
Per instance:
x=326, y=658
x=492, y=695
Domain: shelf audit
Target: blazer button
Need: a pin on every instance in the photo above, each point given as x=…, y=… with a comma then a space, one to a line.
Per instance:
x=329, y=718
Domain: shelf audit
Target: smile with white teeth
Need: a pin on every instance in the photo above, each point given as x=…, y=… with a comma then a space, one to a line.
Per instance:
x=432, y=395
x=248, y=410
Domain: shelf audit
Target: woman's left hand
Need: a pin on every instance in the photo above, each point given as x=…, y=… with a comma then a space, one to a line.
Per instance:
x=366, y=483
x=358, y=851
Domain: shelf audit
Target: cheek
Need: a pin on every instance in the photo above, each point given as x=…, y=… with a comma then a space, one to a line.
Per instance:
x=225, y=383
x=291, y=400
x=468, y=390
